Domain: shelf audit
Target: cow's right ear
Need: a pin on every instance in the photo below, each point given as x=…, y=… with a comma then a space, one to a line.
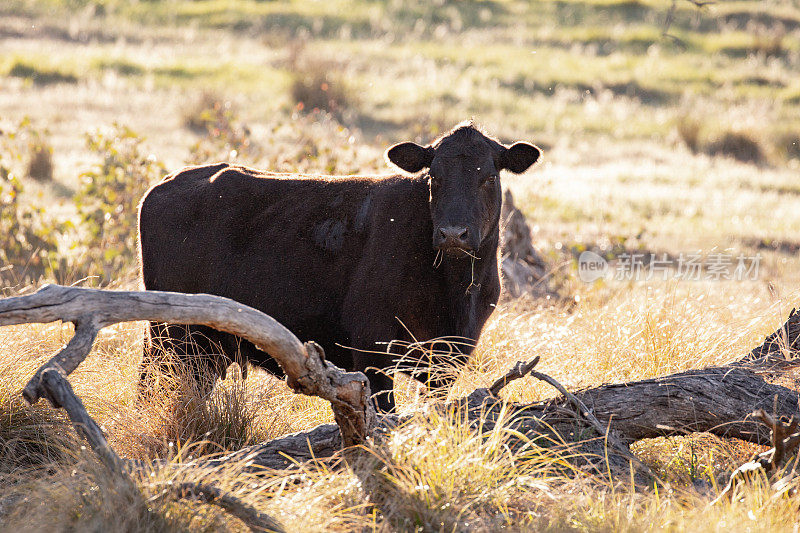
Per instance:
x=410, y=157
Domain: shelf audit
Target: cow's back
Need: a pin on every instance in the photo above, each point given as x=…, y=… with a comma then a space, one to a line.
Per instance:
x=286, y=245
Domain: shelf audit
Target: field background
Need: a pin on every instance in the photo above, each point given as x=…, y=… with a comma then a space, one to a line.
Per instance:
x=676, y=138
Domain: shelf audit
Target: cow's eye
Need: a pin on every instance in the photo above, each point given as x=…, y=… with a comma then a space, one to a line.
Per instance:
x=435, y=180
x=490, y=181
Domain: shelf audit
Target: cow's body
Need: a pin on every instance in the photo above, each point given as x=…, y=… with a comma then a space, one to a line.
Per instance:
x=344, y=261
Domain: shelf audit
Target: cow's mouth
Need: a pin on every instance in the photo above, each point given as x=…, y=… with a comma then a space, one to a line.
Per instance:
x=456, y=251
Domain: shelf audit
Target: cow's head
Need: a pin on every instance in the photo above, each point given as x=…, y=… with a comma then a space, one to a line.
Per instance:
x=464, y=177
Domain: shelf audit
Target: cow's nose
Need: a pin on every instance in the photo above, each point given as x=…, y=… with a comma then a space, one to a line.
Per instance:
x=454, y=237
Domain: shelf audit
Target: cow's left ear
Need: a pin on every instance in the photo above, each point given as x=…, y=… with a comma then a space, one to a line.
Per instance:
x=411, y=157
x=518, y=157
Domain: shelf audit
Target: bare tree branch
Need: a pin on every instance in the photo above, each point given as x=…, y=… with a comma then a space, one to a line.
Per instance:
x=520, y=370
x=59, y=391
x=254, y=519
x=92, y=309
x=718, y=399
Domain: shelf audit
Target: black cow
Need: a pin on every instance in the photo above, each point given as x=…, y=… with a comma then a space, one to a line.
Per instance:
x=349, y=262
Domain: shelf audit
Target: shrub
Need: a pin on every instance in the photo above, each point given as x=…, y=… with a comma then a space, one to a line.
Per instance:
x=739, y=145
x=689, y=132
x=40, y=75
x=318, y=84
x=768, y=41
x=40, y=159
x=25, y=146
x=108, y=198
x=223, y=135
x=316, y=87
x=30, y=240
x=789, y=144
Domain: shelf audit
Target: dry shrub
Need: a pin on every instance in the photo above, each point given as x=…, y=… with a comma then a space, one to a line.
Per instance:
x=689, y=132
x=40, y=160
x=738, y=145
x=316, y=87
x=207, y=110
x=237, y=413
x=223, y=135
x=437, y=472
x=87, y=497
x=318, y=84
x=33, y=437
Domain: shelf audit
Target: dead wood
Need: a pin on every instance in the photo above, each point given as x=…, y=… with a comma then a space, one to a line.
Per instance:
x=718, y=400
x=90, y=310
x=252, y=518
x=520, y=370
x=772, y=463
x=523, y=269
x=58, y=390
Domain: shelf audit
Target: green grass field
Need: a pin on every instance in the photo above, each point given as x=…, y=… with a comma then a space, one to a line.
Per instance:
x=666, y=140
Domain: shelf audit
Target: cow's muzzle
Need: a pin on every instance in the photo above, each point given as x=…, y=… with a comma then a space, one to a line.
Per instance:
x=453, y=239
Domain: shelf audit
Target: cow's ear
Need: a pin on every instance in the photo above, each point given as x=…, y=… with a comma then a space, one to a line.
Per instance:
x=519, y=157
x=410, y=157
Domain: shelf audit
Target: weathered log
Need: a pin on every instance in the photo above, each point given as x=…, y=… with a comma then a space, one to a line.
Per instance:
x=90, y=310
x=59, y=391
x=717, y=400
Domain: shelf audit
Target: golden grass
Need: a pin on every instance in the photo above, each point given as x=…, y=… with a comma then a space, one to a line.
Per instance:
x=616, y=170
x=433, y=473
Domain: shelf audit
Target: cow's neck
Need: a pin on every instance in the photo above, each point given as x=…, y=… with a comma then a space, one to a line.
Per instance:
x=465, y=278
x=464, y=273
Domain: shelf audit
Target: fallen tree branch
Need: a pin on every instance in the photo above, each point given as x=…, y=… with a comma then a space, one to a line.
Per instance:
x=778, y=348
x=520, y=370
x=252, y=518
x=59, y=391
x=584, y=412
x=90, y=310
x=771, y=463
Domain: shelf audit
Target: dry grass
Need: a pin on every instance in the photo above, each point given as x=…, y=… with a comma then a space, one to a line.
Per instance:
x=377, y=74
x=434, y=473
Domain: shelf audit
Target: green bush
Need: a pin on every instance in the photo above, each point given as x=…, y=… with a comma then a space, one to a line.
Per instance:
x=107, y=202
x=30, y=242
